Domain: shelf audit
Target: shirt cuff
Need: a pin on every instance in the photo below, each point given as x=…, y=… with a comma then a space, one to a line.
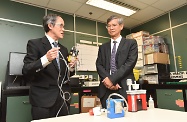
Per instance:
x=45, y=61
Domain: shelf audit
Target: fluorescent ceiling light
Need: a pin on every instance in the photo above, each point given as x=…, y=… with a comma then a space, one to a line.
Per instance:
x=103, y=4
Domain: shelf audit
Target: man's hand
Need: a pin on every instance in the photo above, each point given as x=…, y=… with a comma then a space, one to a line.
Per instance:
x=110, y=85
x=52, y=53
x=116, y=87
x=107, y=82
x=73, y=63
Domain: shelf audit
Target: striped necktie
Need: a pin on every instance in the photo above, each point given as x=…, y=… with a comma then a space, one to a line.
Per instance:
x=113, y=60
x=57, y=58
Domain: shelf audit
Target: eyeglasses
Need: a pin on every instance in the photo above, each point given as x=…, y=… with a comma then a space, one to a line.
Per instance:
x=60, y=25
x=113, y=26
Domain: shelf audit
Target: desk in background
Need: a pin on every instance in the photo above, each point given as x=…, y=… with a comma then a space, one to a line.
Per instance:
x=16, y=107
x=22, y=95
x=151, y=115
x=167, y=95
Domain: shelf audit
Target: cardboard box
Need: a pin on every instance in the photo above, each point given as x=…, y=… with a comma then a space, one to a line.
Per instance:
x=87, y=103
x=98, y=102
x=140, y=56
x=140, y=49
x=162, y=58
x=140, y=33
x=139, y=64
x=139, y=40
x=129, y=36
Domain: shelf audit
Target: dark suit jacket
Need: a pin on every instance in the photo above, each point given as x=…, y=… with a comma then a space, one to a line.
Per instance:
x=126, y=58
x=43, y=89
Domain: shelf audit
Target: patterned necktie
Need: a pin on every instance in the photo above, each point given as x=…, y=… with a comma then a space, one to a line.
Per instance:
x=113, y=60
x=57, y=58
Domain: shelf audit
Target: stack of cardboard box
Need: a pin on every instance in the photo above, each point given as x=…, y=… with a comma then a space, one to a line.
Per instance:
x=156, y=60
x=139, y=37
x=153, y=57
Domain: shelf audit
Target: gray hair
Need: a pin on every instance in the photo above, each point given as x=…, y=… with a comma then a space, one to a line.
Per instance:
x=120, y=19
x=49, y=19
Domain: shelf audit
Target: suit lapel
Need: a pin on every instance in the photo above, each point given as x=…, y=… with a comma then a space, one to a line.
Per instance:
x=108, y=48
x=121, y=45
x=60, y=56
x=47, y=47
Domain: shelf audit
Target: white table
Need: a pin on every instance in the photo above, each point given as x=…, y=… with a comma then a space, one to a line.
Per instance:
x=151, y=115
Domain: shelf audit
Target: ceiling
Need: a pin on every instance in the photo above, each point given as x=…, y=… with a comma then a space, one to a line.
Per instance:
x=149, y=9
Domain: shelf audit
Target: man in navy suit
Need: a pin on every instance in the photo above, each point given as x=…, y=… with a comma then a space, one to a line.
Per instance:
x=47, y=68
x=126, y=53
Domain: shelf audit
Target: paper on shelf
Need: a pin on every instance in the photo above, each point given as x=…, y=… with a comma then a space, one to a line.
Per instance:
x=88, y=102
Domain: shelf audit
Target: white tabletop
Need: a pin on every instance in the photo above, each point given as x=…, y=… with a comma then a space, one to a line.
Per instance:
x=150, y=115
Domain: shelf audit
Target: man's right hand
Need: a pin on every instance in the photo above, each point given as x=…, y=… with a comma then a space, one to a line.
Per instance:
x=52, y=53
x=116, y=87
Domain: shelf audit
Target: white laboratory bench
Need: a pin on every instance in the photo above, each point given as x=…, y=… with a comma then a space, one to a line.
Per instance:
x=150, y=115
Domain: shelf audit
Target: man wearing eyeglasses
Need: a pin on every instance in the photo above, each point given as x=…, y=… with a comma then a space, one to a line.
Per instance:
x=115, y=62
x=47, y=68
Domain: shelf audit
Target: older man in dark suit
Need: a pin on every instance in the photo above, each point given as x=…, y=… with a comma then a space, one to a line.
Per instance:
x=47, y=68
x=116, y=60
